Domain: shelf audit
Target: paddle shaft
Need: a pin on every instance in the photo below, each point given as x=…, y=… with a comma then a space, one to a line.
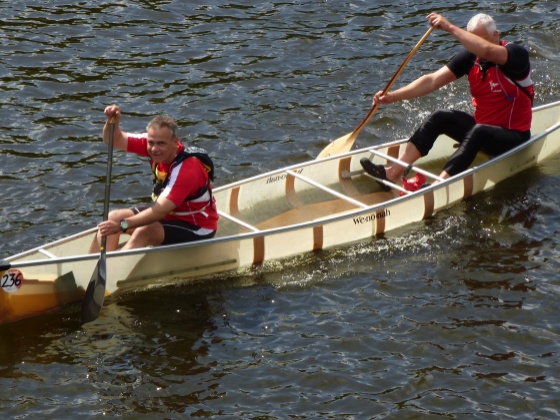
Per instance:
x=108, y=182
x=109, y=169
x=345, y=143
x=95, y=293
x=108, y=178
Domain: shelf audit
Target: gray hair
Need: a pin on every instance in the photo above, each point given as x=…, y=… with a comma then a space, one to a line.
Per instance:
x=482, y=19
x=160, y=121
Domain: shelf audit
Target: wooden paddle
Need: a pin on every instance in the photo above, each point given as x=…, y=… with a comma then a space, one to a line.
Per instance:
x=345, y=143
x=95, y=293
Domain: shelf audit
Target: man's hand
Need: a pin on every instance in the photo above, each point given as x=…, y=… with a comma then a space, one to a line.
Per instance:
x=379, y=98
x=439, y=22
x=113, y=111
x=108, y=227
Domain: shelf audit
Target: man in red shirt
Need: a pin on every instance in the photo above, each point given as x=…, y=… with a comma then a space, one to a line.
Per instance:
x=184, y=208
x=499, y=75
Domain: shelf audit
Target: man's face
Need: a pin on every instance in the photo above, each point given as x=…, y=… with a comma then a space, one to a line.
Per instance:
x=162, y=147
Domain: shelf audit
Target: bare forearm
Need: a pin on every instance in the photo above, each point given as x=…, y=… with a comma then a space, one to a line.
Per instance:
x=120, y=137
x=150, y=215
x=479, y=46
x=420, y=87
x=486, y=46
x=423, y=85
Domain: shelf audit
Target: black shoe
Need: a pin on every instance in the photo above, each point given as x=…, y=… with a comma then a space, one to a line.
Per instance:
x=377, y=171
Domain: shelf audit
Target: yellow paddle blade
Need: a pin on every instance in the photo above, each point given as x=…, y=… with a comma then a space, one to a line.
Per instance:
x=340, y=145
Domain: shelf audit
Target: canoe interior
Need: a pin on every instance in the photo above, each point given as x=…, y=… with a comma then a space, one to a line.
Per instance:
x=282, y=199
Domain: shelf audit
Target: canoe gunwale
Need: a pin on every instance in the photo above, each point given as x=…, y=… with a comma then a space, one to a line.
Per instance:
x=255, y=232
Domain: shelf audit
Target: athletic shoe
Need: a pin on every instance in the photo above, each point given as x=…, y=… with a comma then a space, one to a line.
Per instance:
x=377, y=171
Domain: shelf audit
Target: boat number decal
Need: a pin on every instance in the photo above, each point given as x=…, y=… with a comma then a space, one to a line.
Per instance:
x=12, y=280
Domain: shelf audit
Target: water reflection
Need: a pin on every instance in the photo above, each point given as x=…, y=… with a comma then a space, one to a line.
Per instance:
x=153, y=366
x=141, y=355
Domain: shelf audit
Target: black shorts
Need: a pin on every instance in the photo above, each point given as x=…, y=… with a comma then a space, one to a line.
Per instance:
x=461, y=126
x=176, y=231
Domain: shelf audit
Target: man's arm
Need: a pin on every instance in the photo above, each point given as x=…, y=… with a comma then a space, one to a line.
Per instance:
x=161, y=208
x=158, y=211
x=479, y=46
x=420, y=87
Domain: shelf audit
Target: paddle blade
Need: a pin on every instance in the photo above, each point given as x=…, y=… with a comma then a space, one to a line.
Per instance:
x=344, y=144
x=340, y=145
x=95, y=293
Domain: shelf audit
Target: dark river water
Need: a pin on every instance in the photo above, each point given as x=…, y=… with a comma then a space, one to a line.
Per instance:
x=453, y=317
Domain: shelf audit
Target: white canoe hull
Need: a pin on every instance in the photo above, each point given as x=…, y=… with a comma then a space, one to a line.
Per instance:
x=311, y=206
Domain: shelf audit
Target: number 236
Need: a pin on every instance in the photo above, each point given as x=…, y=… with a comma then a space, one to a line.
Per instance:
x=11, y=279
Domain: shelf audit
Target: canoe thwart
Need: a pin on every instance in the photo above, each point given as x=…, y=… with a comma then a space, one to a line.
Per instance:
x=47, y=253
x=350, y=174
x=386, y=182
x=327, y=189
x=237, y=221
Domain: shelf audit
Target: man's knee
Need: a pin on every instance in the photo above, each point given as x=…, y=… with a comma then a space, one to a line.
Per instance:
x=478, y=135
x=441, y=116
x=152, y=234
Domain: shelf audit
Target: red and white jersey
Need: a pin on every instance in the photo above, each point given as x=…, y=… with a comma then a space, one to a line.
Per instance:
x=185, y=181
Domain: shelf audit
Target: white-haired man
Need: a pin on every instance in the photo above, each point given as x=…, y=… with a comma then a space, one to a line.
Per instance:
x=499, y=75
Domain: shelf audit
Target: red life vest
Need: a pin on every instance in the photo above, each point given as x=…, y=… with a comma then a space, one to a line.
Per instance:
x=500, y=100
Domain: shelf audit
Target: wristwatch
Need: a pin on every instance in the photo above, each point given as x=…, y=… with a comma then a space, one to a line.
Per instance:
x=124, y=225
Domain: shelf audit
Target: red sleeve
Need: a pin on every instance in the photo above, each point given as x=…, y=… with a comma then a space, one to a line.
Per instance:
x=138, y=144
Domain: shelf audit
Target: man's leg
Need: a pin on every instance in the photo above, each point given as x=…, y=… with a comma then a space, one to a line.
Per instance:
x=149, y=235
x=112, y=240
x=410, y=155
x=455, y=124
x=492, y=139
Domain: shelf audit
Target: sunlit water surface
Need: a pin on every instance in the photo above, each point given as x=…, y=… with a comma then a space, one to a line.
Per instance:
x=456, y=316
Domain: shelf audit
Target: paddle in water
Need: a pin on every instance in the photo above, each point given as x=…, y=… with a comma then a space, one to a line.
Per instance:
x=95, y=293
x=345, y=143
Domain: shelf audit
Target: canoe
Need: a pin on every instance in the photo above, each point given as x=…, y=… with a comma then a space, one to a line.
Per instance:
x=310, y=206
